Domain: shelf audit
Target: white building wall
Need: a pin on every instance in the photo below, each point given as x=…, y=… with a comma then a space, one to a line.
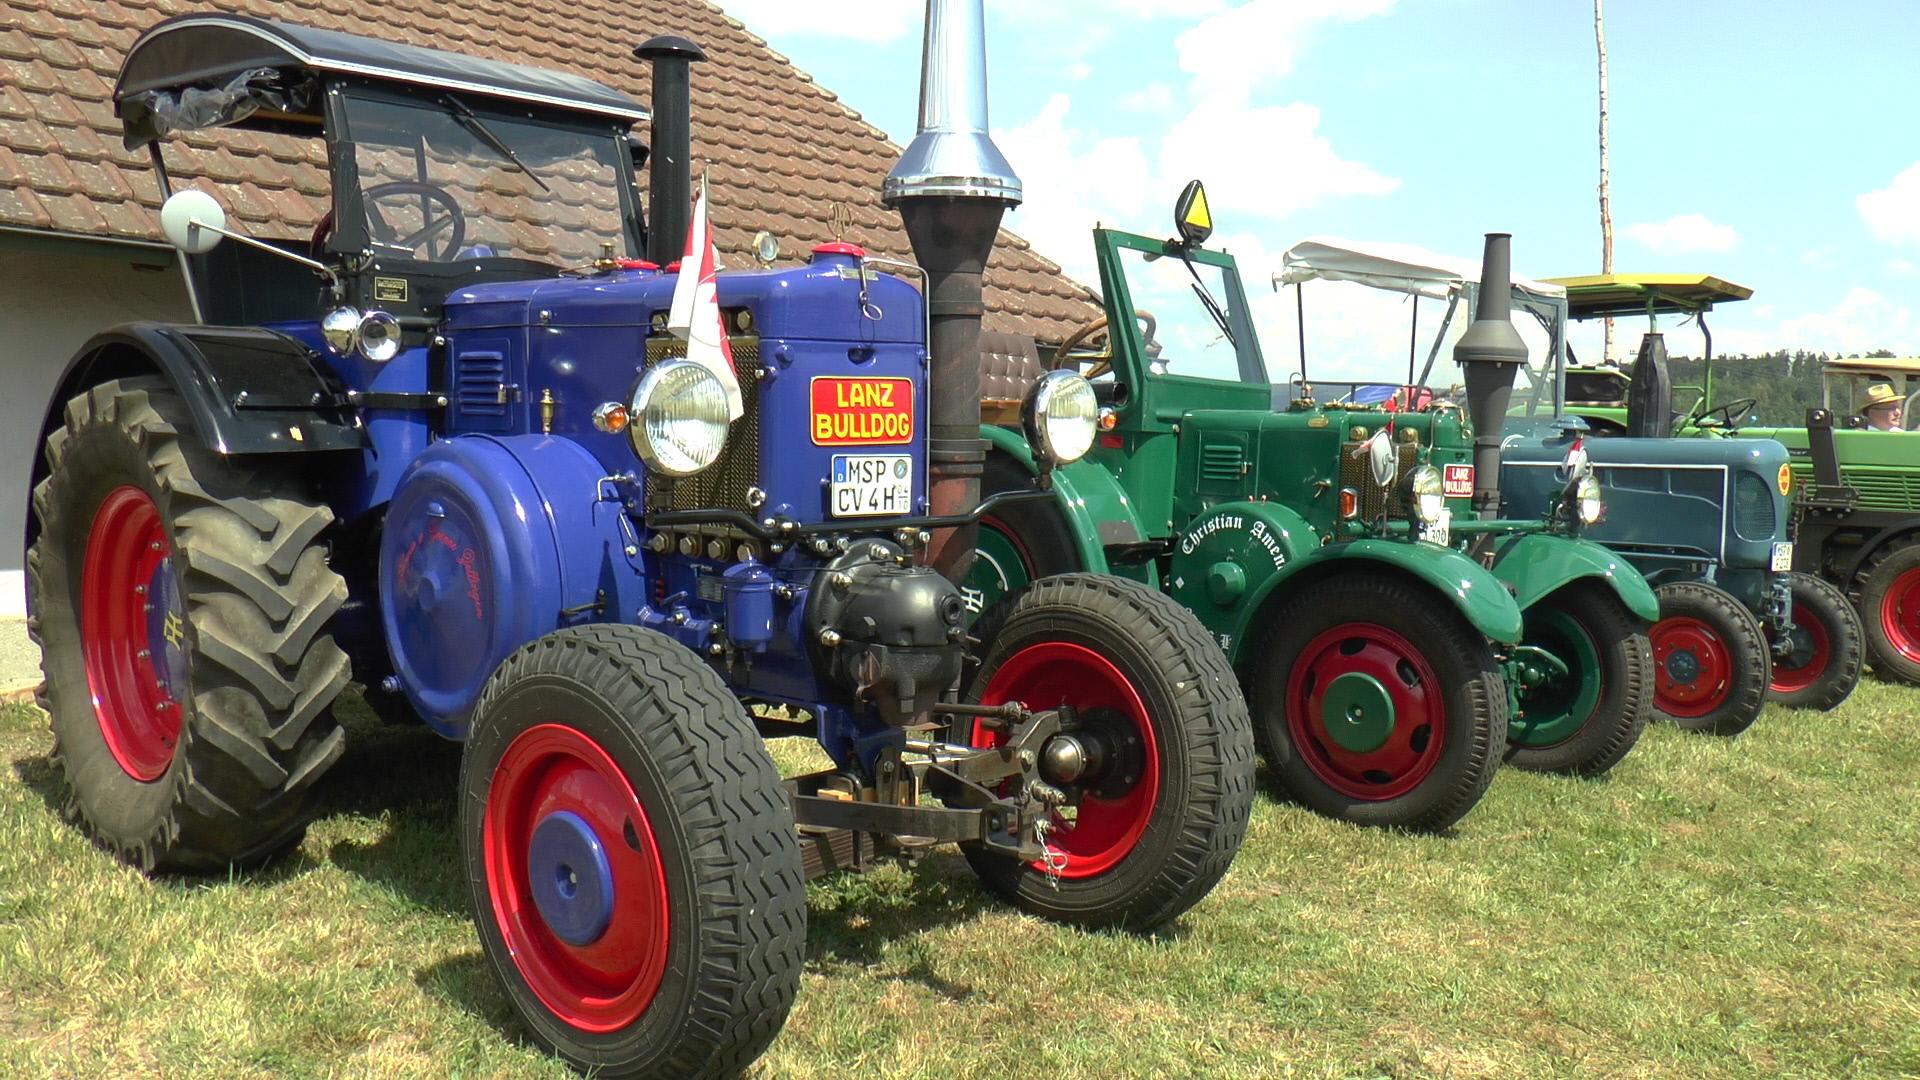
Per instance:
x=51, y=302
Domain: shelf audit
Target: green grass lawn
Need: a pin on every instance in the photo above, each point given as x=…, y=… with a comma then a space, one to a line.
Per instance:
x=1745, y=907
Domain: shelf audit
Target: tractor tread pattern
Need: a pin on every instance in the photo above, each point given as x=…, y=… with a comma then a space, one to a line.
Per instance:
x=743, y=844
x=1845, y=642
x=1748, y=695
x=1883, y=656
x=1609, y=620
x=264, y=669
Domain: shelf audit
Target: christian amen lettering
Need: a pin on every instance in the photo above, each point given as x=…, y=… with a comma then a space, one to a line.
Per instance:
x=851, y=411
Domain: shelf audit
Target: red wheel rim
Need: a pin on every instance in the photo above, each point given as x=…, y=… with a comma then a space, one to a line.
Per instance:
x=1418, y=734
x=1812, y=649
x=554, y=773
x=1693, y=668
x=130, y=632
x=1900, y=614
x=1054, y=673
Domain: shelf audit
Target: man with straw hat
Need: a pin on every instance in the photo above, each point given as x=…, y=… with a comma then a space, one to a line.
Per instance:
x=1883, y=408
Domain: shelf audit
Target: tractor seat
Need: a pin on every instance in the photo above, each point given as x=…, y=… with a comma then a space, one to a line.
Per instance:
x=1009, y=364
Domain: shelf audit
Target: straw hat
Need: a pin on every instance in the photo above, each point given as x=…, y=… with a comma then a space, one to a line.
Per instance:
x=1880, y=394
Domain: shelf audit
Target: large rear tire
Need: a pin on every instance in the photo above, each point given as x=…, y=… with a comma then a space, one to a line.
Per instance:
x=1585, y=723
x=1822, y=662
x=1889, y=591
x=631, y=857
x=1711, y=658
x=1152, y=835
x=181, y=600
x=1376, y=702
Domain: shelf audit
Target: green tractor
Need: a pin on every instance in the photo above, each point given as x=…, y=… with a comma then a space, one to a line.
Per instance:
x=1397, y=640
x=1705, y=522
x=1855, y=488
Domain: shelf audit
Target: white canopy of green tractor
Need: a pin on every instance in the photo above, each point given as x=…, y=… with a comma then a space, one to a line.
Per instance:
x=1400, y=268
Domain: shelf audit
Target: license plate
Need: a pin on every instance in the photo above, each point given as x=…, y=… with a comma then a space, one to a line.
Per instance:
x=1782, y=558
x=871, y=485
x=1439, y=531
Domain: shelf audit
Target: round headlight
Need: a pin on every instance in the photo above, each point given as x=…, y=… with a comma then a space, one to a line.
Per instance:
x=1587, y=500
x=1424, y=494
x=341, y=329
x=1061, y=416
x=678, y=419
x=379, y=336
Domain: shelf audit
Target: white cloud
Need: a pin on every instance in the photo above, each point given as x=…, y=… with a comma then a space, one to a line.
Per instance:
x=1903, y=267
x=1079, y=70
x=1239, y=49
x=1861, y=321
x=1291, y=165
x=1893, y=212
x=1153, y=99
x=1824, y=258
x=1072, y=180
x=1684, y=234
x=876, y=21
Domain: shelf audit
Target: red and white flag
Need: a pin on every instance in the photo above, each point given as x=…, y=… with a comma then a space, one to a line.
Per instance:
x=695, y=314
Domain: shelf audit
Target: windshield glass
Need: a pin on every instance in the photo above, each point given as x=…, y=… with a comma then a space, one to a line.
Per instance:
x=1183, y=336
x=451, y=182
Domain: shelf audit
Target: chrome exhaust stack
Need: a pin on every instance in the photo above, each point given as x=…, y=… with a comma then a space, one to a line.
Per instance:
x=951, y=187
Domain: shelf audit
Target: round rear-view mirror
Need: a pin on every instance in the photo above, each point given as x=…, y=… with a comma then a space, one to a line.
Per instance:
x=192, y=220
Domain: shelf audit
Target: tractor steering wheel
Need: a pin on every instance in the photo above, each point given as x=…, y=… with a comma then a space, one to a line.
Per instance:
x=442, y=235
x=1103, y=360
x=1734, y=411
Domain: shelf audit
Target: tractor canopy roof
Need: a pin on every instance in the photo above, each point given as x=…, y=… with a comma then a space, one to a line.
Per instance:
x=1400, y=268
x=217, y=70
x=1597, y=296
x=1890, y=366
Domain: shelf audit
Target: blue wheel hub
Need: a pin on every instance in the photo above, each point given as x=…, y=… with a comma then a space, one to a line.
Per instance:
x=1683, y=667
x=572, y=883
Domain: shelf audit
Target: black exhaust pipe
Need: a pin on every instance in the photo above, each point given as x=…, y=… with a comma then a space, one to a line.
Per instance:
x=670, y=162
x=1490, y=353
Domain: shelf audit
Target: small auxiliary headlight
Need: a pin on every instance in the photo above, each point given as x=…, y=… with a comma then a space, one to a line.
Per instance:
x=1587, y=502
x=1349, y=504
x=611, y=417
x=379, y=336
x=1424, y=494
x=677, y=422
x=341, y=329
x=1061, y=416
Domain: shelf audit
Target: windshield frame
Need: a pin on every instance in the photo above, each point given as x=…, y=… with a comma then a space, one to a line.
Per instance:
x=1130, y=347
x=349, y=243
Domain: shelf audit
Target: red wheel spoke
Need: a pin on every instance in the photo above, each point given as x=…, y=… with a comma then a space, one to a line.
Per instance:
x=1693, y=667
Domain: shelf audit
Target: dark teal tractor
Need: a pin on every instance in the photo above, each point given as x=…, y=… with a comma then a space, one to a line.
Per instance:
x=1397, y=639
x=1706, y=521
x=461, y=447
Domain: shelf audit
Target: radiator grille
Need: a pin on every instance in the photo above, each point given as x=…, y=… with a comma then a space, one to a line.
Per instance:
x=724, y=484
x=1752, y=507
x=1222, y=462
x=1373, y=501
x=1878, y=489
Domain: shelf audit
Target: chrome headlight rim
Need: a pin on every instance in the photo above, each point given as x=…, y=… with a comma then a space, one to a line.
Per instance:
x=1588, y=505
x=1061, y=416
x=340, y=329
x=666, y=385
x=377, y=337
x=1423, y=491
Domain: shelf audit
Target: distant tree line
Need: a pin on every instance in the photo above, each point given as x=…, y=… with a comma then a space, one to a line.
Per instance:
x=1785, y=384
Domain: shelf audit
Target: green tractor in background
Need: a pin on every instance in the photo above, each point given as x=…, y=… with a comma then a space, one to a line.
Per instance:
x=1855, y=490
x=1705, y=522
x=1397, y=640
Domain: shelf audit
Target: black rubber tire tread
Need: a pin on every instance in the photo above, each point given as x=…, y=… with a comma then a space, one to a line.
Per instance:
x=1206, y=739
x=1845, y=644
x=1463, y=663
x=1746, y=640
x=1626, y=697
x=725, y=832
x=1870, y=590
x=258, y=729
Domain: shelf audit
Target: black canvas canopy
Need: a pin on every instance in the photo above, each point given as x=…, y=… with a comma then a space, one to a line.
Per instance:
x=213, y=69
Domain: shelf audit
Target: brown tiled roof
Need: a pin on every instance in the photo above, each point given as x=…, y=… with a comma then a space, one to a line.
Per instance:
x=783, y=150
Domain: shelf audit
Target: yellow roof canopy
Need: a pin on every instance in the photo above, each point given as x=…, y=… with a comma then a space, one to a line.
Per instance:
x=1599, y=295
x=1908, y=366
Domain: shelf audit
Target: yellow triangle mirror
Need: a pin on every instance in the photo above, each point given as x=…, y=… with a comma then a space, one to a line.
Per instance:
x=1191, y=215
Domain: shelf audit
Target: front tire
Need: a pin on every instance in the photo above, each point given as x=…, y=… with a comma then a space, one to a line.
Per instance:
x=1155, y=836
x=1584, y=724
x=1376, y=702
x=180, y=601
x=1711, y=658
x=1822, y=663
x=1889, y=593
x=631, y=857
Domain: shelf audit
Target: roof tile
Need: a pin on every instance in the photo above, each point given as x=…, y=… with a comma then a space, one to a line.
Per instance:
x=784, y=150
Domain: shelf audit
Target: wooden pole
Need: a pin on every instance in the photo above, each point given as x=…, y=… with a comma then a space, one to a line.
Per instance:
x=1606, y=206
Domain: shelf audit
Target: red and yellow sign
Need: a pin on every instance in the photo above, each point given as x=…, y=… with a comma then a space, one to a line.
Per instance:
x=1785, y=480
x=850, y=411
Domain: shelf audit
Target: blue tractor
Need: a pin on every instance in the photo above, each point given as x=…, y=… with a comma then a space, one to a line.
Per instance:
x=452, y=449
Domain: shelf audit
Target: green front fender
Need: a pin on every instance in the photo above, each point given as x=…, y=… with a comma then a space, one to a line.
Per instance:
x=1536, y=564
x=1476, y=594
x=1089, y=496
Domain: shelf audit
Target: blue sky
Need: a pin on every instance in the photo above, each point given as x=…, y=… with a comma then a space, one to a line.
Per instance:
x=1769, y=142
